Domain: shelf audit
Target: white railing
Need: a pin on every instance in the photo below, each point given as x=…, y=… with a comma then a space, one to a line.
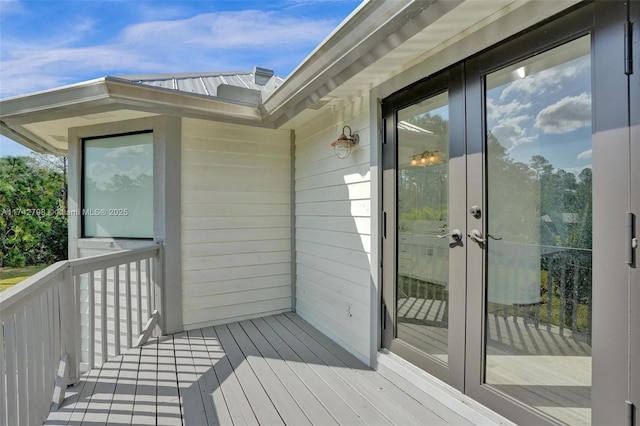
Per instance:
x=71, y=317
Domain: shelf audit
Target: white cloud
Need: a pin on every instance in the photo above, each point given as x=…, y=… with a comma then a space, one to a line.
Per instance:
x=224, y=41
x=125, y=151
x=499, y=110
x=548, y=80
x=228, y=31
x=30, y=70
x=511, y=134
x=585, y=155
x=566, y=115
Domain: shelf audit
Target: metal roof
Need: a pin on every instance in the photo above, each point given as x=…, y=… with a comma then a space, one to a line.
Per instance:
x=207, y=83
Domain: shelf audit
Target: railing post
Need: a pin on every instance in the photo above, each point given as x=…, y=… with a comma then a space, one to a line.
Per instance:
x=158, y=280
x=69, y=326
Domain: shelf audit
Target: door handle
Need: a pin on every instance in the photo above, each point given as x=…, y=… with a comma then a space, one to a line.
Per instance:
x=455, y=234
x=476, y=236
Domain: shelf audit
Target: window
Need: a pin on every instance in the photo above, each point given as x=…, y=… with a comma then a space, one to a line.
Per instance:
x=117, y=186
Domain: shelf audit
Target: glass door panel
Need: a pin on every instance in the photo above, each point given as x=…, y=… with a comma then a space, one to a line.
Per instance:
x=422, y=313
x=539, y=227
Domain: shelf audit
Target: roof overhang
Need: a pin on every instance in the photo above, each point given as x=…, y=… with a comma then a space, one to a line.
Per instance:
x=40, y=121
x=383, y=39
x=372, y=31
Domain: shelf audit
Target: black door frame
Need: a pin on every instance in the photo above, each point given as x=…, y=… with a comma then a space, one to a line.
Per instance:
x=451, y=80
x=614, y=110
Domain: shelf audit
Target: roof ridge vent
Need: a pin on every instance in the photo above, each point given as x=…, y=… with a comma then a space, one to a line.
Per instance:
x=262, y=75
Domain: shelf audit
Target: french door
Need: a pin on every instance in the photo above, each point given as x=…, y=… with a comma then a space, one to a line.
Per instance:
x=496, y=186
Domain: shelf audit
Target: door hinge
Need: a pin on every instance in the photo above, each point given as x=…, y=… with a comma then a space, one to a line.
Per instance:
x=632, y=240
x=384, y=316
x=630, y=413
x=384, y=225
x=628, y=48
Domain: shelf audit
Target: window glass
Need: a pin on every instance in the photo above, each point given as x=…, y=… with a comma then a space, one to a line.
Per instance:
x=422, y=300
x=118, y=186
x=539, y=300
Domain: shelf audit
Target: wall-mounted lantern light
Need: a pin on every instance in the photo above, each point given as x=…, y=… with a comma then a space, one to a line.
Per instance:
x=344, y=144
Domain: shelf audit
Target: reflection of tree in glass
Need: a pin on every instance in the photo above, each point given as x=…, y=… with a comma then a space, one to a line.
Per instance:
x=422, y=194
x=433, y=123
x=539, y=204
x=123, y=183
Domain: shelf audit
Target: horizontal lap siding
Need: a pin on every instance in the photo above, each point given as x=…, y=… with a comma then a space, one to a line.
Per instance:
x=236, y=222
x=333, y=228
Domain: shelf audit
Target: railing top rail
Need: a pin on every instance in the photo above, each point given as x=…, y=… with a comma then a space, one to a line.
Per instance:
x=114, y=258
x=24, y=289
x=31, y=285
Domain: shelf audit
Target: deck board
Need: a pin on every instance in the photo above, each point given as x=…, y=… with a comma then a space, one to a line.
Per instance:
x=193, y=408
x=306, y=400
x=272, y=370
x=210, y=391
x=398, y=396
x=332, y=377
x=237, y=403
x=145, y=399
x=122, y=404
x=338, y=409
x=284, y=403
x=168, y=410
x=338, y=361
x=262, y=406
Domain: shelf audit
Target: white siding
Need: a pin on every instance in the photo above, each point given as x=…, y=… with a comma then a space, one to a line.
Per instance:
x=333, y=227
x=236, y=222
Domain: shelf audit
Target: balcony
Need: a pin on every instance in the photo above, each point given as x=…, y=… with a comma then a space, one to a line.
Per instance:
x=82, y=343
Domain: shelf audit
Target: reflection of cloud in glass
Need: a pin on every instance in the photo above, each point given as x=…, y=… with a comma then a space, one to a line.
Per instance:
x=566, y=115
x=125, y=151
x=510, y=134
x=546, y=81
x=102, y=174
x=577, y=170
x=584, y=155
x=496, y=111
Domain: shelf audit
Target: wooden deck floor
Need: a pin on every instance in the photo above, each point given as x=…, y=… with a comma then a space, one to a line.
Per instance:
x=273, y=370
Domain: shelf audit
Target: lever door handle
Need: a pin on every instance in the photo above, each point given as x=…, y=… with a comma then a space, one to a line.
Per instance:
x=455, y=234
x=476, y=236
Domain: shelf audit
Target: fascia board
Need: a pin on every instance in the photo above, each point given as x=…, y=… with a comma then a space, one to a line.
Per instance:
x=66, y=100
x=378, y=32
x=334, y=46
x=109, y=94
x=170, y=102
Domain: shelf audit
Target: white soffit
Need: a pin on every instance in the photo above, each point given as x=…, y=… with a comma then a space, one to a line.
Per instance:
x=457, y=25
x=54, y=132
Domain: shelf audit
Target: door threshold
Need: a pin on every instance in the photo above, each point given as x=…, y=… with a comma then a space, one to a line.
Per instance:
x=418, y=383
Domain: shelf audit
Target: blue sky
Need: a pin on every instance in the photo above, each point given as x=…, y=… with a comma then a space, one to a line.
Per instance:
x=46, y=44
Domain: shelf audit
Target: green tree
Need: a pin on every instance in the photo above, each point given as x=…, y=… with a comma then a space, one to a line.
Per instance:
x=33, y=226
